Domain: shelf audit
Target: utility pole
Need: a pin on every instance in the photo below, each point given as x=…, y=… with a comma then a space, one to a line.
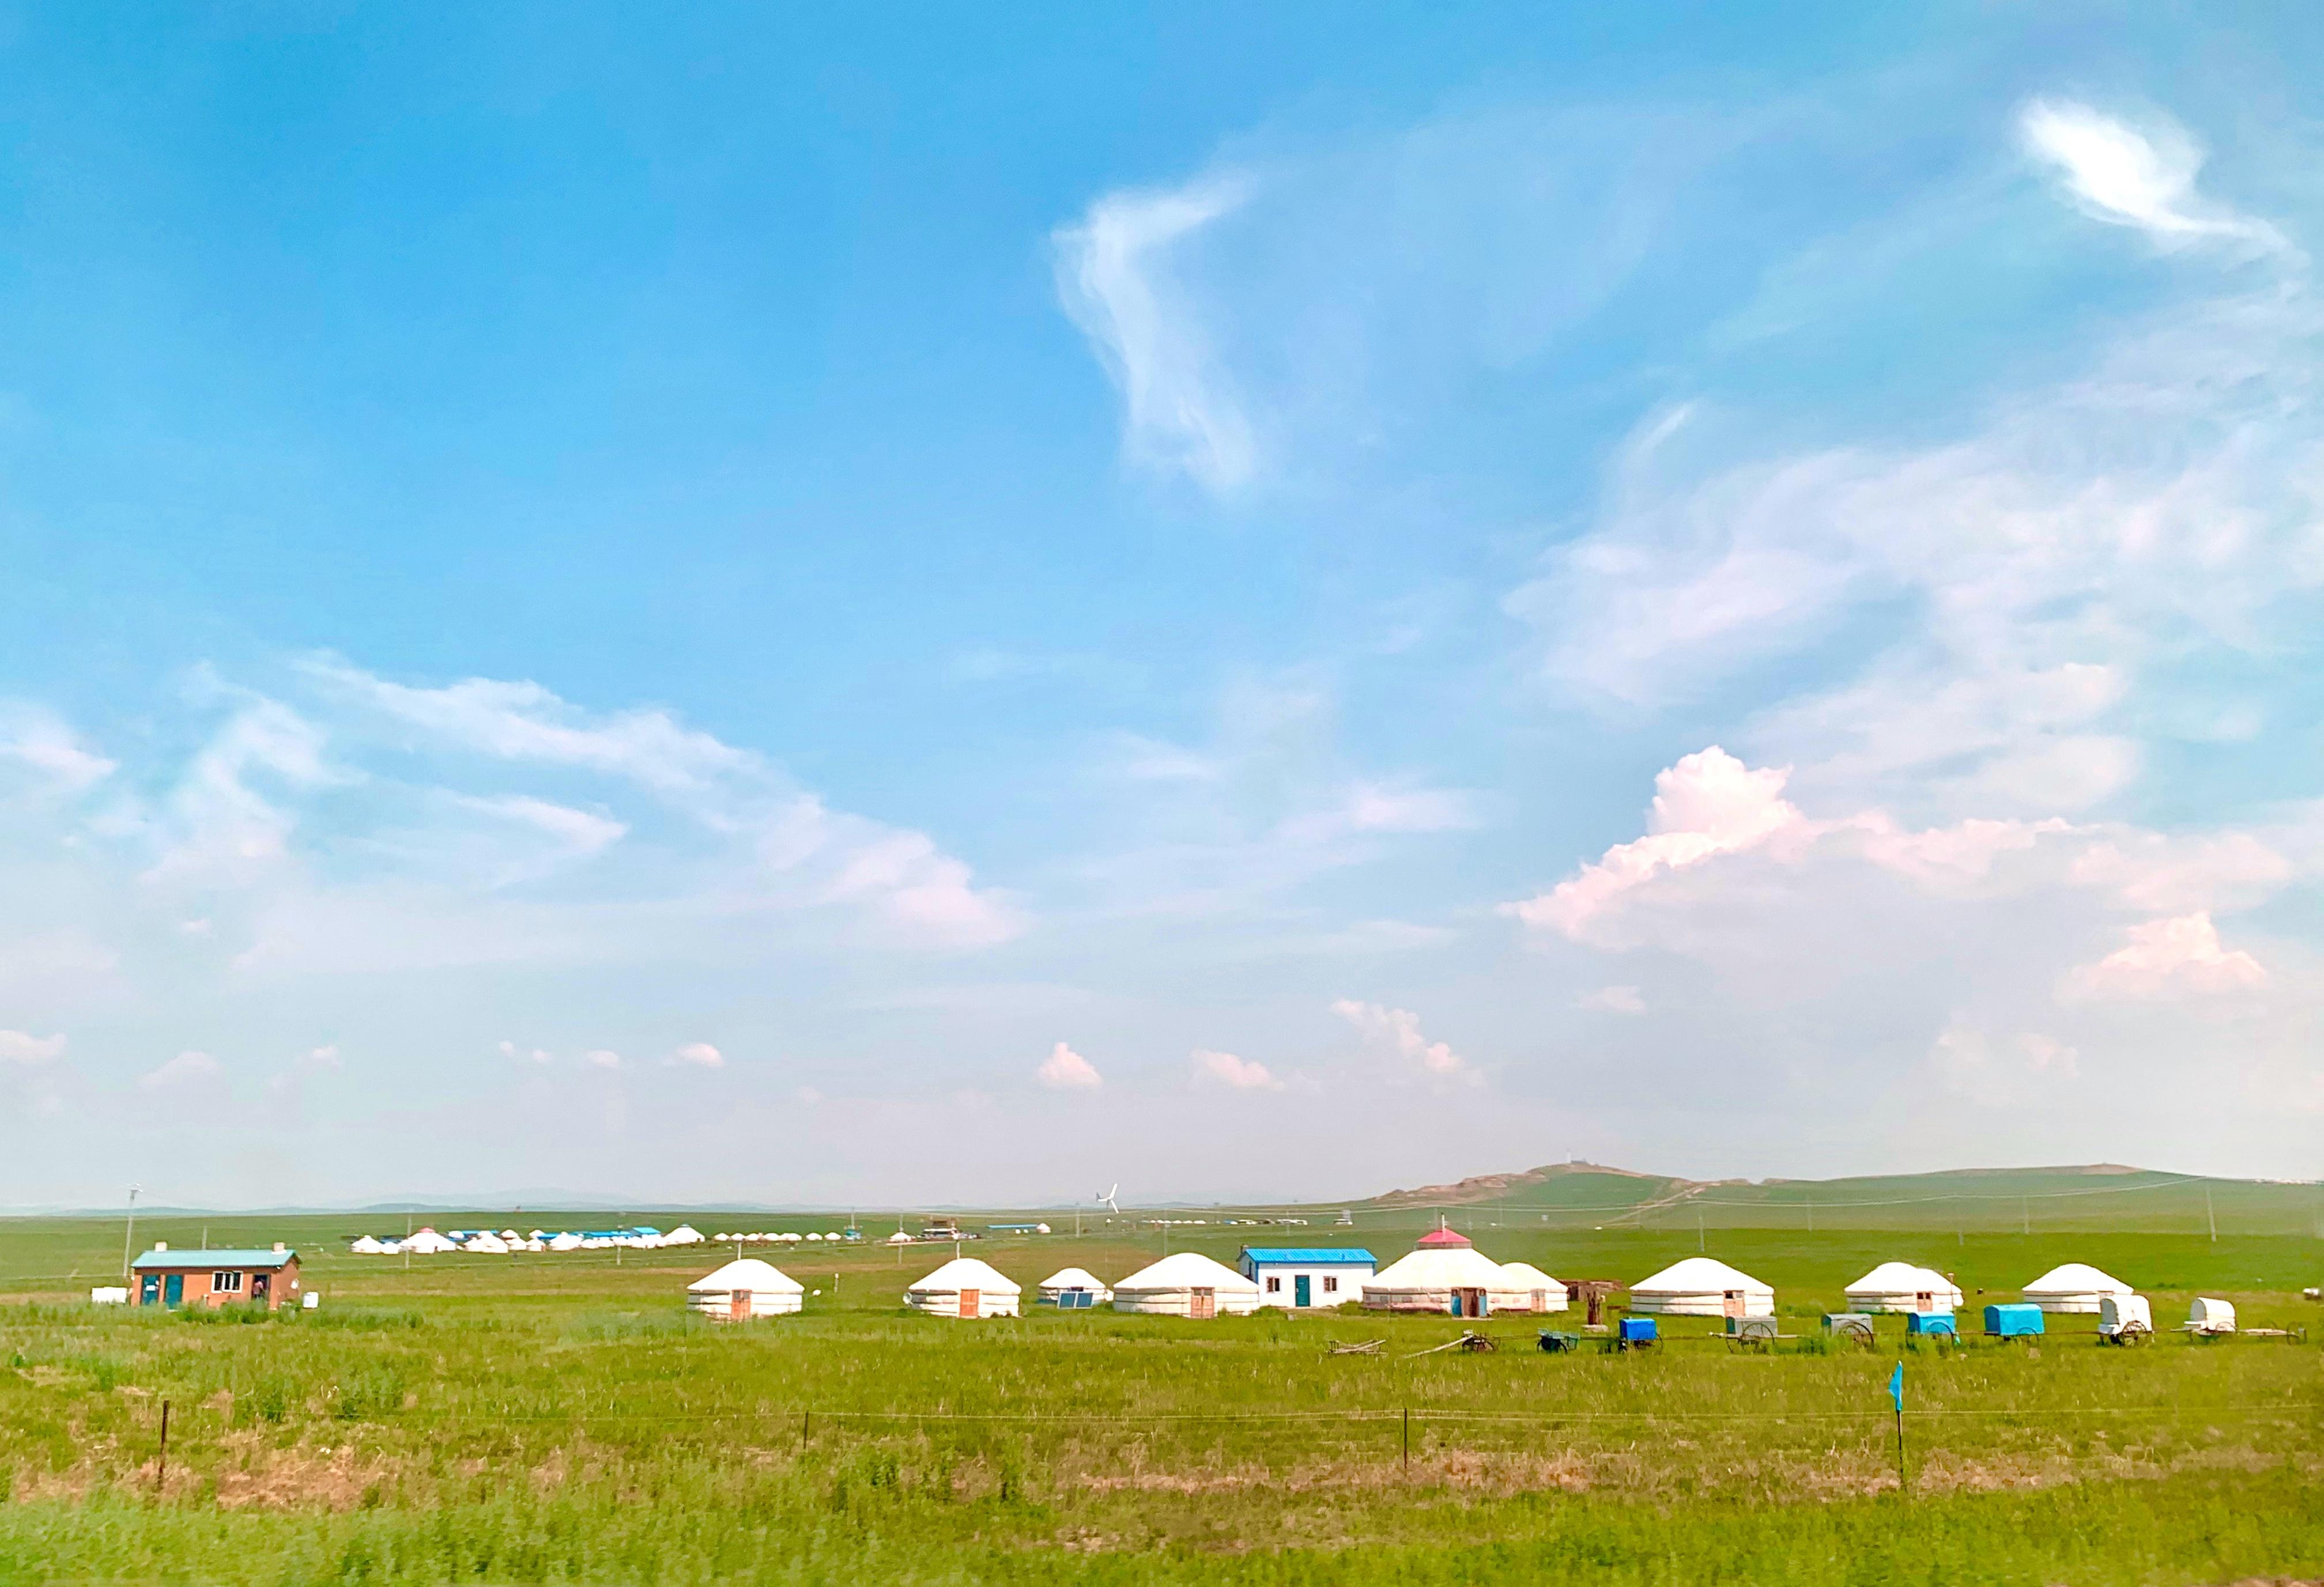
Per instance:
x=2208, y=1217
x=129, y=1235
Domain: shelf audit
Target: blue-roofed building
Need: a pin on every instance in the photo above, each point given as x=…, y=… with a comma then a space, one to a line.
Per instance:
x=1297, y=1277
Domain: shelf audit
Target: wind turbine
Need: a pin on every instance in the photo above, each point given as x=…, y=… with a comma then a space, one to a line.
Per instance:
x=1107, y=1201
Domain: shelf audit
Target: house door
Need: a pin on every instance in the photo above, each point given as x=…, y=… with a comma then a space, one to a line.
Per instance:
x=1300, y=1291
x=1476, y=1302
x=262, y=1289
x=149, y=1290
x=1202, y=1303
x=1734, y=1305
x=1926, y=1301
x=970, y=1303
x=173, y=1289
x=738, y=1305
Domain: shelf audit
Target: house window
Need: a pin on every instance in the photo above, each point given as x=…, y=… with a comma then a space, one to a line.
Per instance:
x=1331, y=1284
x=225, y=1284
x=1274, y=1285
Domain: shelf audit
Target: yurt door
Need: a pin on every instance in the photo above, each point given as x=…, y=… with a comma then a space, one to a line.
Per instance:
x=1734, y=1306
x=970, y=1303
x=1300, y=1294
x=1202, y=1303
x=738, y=1305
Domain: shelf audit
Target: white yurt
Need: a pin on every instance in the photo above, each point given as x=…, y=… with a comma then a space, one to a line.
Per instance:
x=744, y=1288
x=1901, y=1286
x=1526, y=1288
x=427, y=1242
x=965, y=1287
x=683, y=1234
x=1445, y=1273
x=2075, y=1287
x=1702, y=1286
x=898, y=1238
x=486, y=1242
x=1072, y=1288
x=1187, y=1284
x=365, y=1246
x=568, y=1241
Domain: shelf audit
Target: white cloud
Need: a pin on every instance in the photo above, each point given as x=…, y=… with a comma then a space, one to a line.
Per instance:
x=18, y=1046
x=509, y=1050
x=216, y=824
x=42, y=742
x=186, y=1069
x=1613, y=1000
x=320, y=1057
x=602, y=1058
x=1709, y=804
x=1372, y=807
x=1398, y=1031
x=2009, y=1073
x=2167, y=958
x=1114, y=277
x=1066, y=1070
x=1236, y=1072
x=578, y=833
x=2128, y=176
x=699, y=1054
x=522, y=721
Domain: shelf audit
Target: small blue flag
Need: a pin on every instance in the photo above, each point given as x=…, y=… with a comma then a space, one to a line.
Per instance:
x=1896, y=1387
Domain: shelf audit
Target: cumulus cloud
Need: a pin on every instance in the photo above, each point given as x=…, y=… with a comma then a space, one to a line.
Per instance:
x=1115, y=278
x=1613, y=1000
x=18, y=1046
x=2166, y=958
x=2126, y=175
x=698, y=1055
x=1235, y=1073
x=602, y=1058
x=1709, y=804
x=187, y=1068
x=1066, y=1070
x=1397, y=1030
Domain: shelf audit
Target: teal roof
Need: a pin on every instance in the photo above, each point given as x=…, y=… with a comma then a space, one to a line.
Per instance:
x=1309, y=1256
x=155, y=1260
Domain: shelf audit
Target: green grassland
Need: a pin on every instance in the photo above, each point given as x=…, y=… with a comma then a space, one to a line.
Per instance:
x=556, y=1417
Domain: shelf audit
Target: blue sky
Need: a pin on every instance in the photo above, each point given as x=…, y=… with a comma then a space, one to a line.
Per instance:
x=908, y=610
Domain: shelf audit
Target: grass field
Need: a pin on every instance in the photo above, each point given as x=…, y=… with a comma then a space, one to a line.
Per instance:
x=557, y=1418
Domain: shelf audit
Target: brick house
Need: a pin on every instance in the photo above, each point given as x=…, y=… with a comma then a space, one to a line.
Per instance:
x=169, y=1278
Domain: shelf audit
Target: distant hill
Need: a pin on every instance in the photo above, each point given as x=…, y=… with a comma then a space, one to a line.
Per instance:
x=2086, y=1195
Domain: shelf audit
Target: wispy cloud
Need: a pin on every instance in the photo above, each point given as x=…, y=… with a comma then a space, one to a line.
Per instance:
x=698, y=1055
x=187, y=1068
x=17, y=1047
x=1115, y=277
x=1397, y=1031
x=2131, y=175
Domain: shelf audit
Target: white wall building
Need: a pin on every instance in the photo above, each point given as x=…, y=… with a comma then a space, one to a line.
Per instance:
x=1298, y=1277
x=2073, y=1287
x=965, y=1287
x=1901, y=1286
x=1187, y=1284
x=1702, y=1286
x=743, y=1289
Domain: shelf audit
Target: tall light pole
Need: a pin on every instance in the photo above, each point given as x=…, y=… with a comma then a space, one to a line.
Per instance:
x=129, y=1235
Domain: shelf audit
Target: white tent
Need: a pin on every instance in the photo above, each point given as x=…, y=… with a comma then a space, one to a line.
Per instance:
x=683, y=1234
x=428, y=1242
x=2075, y=1287
x=1073, y=1287
x=899, y=1238
x=569, y=1240
x=1900, y=1287
x=1456, y=1279
x=1187, y=1284
x=2207, y=1315
x=487, y=1242
x=1525, y=1287
x=1702, y=1286
x=965, y=1287
x=365, y=1246
x=744, y=1288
